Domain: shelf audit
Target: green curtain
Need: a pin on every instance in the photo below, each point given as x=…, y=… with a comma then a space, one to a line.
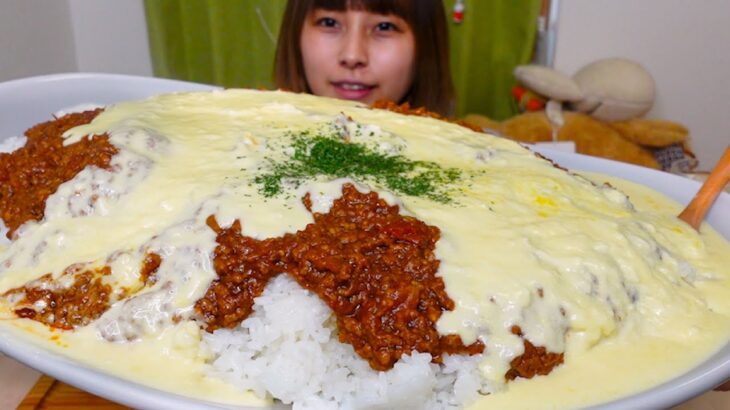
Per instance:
x=231, y=43
x=495, y=37
x=224, y=42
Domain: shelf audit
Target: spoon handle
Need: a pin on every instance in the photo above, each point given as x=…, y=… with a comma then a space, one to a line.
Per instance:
x=695, y=212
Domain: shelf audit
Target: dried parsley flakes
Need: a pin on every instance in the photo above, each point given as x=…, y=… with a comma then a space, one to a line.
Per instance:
x=336, y=158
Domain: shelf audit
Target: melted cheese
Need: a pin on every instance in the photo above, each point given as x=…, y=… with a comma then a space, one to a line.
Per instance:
x=656, y=346
x=581, y=269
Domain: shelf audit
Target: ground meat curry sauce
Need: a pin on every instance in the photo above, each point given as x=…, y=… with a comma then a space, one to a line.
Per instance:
x=373, y=267
x=429, y=238
x=32, y=173
x=28, y=176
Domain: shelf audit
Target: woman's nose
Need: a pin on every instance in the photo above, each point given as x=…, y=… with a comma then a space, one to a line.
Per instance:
x=354, y=51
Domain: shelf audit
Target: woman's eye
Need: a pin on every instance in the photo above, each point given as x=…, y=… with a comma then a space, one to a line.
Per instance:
x=327, y=22
x=386, y=26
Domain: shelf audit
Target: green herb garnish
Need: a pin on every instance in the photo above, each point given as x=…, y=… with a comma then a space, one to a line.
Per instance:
x=334, y=157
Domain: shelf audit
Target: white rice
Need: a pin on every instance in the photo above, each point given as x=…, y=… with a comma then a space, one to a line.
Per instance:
x=288, y=349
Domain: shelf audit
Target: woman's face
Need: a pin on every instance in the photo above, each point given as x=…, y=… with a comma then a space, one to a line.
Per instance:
x=358, y=55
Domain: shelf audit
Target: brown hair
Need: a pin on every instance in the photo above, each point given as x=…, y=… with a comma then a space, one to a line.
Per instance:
x=432, y=87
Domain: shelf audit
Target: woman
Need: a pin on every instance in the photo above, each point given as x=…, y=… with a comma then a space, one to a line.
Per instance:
x=367, y=50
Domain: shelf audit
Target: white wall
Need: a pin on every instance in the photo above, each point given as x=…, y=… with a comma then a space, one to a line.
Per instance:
x=54, y=36
x=36, y=38
x=684, y=44
x=110, y=36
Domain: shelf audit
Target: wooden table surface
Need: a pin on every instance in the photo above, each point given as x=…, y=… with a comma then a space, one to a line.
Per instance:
x=49, y=393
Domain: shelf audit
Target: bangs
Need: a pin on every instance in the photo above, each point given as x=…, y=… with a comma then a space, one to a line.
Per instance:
x=401, y=8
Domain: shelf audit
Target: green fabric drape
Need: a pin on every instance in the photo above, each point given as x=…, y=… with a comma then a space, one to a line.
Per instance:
x=495, y=37
x=231, y=43
x=224, y=42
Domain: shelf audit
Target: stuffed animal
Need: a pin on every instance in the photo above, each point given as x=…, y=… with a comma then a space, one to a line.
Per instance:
x=605, y=102
x=637, y=141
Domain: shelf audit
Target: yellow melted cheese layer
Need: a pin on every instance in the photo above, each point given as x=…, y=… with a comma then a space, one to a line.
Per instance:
x=642, y=355
x=575, y=265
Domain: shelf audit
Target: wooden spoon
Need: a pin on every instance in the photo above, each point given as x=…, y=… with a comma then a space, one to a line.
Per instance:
x=695, y=212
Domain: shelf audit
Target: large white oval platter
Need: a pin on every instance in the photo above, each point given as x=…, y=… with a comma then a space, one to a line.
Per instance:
x=25, y=102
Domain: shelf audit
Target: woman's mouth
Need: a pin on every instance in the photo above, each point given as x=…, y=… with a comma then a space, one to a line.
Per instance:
x=352, y=90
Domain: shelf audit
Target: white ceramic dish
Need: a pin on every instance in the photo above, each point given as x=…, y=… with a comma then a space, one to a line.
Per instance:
x=26, y=102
